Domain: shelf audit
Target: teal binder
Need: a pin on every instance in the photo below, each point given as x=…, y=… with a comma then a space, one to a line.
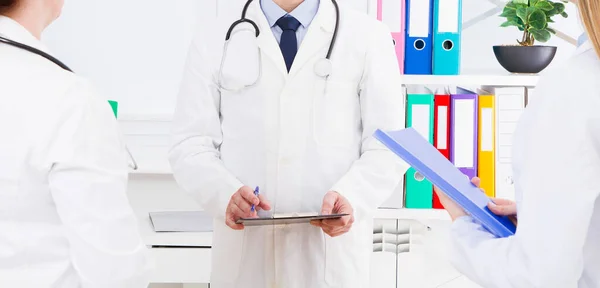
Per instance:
x=447, y=34
x=419, y=191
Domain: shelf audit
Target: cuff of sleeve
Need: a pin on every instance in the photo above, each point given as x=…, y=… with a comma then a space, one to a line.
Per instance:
x=347, y=190
x=463, y=223
x=224, y=192
x=467, y=226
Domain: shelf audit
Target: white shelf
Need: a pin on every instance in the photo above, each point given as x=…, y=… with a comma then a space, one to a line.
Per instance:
x=151, y=172
x=472, y=80
x=412, y=214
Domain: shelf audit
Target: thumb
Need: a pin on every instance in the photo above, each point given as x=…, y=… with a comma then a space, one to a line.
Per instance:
x=328, y=203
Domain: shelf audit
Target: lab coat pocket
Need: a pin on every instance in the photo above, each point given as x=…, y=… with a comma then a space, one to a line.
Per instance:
x=228, y=249
x=343, y=260
x=336, y=113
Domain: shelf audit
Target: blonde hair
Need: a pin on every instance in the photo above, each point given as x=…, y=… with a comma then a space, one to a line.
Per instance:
x=590, y=16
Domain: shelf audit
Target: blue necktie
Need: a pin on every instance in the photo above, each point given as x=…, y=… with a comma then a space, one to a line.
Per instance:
x=288, y=42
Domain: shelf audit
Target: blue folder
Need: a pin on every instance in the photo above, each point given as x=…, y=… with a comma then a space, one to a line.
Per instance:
x=418, y=58
x=427, y=160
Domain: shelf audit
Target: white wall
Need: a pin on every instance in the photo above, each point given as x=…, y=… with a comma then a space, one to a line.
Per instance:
x=134, y=50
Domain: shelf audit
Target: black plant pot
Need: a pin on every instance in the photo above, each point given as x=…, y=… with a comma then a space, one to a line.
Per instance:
x=525, y=59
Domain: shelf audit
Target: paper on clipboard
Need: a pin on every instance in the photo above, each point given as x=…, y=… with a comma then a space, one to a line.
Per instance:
x=297, y=218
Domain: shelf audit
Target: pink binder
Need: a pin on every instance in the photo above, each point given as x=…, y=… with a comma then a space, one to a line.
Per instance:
x=393, y=13
x=463, y=135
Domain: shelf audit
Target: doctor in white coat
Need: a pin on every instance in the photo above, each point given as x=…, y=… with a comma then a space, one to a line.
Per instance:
x=304, y=139
x=64, y=216
x=556, y=164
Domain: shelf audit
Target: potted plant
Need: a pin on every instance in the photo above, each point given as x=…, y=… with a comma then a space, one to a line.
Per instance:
x=532, y=18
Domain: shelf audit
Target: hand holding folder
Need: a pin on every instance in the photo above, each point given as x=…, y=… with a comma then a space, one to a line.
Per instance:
x=409, y=145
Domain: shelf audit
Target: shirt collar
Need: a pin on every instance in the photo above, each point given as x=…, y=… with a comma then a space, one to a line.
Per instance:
x=304, y=13
x=14, y=31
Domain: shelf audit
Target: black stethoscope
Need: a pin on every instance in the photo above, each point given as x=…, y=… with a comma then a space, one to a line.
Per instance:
x=323, y=67
x=57, y=62
x=35, y=51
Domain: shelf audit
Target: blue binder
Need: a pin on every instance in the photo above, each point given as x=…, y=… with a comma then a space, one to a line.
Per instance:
x=418, y=58
x=409, y=145
x=447, y=30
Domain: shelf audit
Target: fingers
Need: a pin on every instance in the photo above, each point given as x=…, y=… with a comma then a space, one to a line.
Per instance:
x=316, y=223
x=264, y=203
x=335, y=231
x=236, y=211
x=329, y=203
x=476, y=181
x=501, y=201
x=341, y=222
x=247, y=195
x=503, y=210
x=242, y=204
x=230, y=222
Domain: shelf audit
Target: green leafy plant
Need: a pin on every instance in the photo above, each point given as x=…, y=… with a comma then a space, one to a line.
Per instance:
x=532, y=18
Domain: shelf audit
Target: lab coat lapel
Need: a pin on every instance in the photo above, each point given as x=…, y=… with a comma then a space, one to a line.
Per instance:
x=318, y=36
x=266, y=40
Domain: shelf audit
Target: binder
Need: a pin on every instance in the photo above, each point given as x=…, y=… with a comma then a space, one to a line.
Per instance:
x=441, y=133
x=419, y=36
x=509, y=105
x=420, y=117
x=463, y=146
x=447, y=29
x=486, y=157
x=392, y=13
x=415, y=150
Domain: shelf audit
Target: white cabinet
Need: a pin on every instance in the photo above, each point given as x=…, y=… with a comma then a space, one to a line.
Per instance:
x=383, y=259
x=413, y=254
x=180, y=265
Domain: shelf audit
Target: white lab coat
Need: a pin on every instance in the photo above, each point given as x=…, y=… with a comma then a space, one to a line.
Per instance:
x=295, y=142
x=64, y=216
x=556, y=164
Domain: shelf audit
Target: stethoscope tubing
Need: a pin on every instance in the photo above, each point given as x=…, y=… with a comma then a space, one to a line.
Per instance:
x=243, y=19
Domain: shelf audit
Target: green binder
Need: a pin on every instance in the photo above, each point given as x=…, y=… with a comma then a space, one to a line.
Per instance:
x=115, y=107
x=419, y=191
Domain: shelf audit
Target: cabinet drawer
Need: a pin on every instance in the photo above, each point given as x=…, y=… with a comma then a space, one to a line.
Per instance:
x=181, y=265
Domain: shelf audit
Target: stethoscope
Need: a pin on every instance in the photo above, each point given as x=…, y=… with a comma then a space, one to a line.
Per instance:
x=36, y=51
x=323, y=67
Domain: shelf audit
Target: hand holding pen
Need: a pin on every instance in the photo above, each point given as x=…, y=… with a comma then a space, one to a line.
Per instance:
x=245, y=203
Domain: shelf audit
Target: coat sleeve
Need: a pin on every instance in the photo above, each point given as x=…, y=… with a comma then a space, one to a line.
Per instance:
x=88, y=183
x=559, y=183
x=197, y=136
x=372, y=178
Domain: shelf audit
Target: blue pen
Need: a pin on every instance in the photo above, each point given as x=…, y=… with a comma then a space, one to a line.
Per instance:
x=255, y=194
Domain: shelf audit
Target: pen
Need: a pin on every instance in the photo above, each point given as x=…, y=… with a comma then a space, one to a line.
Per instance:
x=255, y=194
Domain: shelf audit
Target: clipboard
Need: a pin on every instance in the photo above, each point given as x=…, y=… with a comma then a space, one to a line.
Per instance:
x=286, y=220
x=409, y=145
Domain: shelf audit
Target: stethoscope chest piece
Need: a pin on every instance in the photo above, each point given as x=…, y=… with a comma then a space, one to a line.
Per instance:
x=323, y=67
